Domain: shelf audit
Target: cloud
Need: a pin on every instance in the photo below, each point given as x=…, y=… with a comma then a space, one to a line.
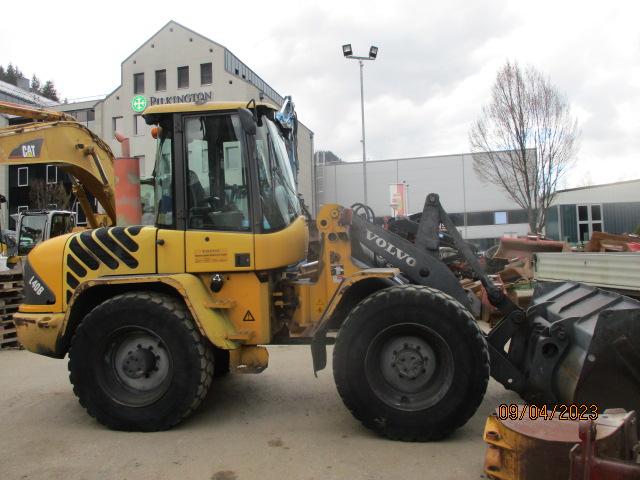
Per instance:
x=436, y=64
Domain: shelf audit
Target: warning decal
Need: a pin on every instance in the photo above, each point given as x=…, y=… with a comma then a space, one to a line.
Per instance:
x=248, y=317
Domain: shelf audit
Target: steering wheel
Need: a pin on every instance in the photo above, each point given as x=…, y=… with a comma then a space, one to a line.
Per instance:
x=364, y=211
x=213, y=201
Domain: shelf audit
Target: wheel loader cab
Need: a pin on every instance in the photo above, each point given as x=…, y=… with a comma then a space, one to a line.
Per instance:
x=227, y=183
x=226, y=206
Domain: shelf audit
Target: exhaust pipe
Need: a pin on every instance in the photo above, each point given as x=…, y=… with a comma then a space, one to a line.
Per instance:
x=127, y=187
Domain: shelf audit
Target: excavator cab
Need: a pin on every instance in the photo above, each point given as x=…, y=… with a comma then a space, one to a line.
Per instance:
x=36, y=226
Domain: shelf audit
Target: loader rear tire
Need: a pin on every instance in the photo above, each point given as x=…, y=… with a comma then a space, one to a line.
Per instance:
x=411, y=363
x=138, y=363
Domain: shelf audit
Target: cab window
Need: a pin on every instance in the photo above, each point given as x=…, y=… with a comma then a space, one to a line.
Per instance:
x=217, y=177
x=31, y=232
x=280, y=203
x=60, y=224
x=163, y=179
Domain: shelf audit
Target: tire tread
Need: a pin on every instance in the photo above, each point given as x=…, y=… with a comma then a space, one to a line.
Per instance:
x=178, y=310
x=351, y=327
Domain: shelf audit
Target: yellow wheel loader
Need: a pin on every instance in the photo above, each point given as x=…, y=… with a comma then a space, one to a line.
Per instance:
x=149, y=315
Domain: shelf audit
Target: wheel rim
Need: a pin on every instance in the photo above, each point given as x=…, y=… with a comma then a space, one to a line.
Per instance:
x=409, y=366
x=136, y=368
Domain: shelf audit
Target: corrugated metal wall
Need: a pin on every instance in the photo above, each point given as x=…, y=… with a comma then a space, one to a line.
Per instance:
x=621, y=217
x=552, y=227
x=569, y=223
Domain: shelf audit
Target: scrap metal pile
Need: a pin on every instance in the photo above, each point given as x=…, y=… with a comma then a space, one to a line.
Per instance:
x=517, y=263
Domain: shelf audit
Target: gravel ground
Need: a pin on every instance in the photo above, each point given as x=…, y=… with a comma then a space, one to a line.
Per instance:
x=281, y=424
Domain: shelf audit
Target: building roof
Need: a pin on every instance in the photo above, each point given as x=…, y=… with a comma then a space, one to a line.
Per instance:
x=623, y=182
x=422, y=157
x=179, y=25
x=172, y=22
x=24, y=95
x=72, y=106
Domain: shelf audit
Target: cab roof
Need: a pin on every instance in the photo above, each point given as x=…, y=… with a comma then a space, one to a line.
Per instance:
x=201, y=107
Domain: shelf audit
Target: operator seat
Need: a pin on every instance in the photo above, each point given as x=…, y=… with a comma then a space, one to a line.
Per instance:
x=196, y=190
x=197, y=205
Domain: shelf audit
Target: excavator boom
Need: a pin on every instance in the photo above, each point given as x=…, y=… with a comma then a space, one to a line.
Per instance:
x=55, y=138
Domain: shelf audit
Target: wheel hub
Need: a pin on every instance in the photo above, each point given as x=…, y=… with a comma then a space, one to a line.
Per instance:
x=409, y=362
x=140, y=362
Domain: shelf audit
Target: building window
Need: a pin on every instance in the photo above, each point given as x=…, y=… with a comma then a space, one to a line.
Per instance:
x=116, y=123
x=183, y=77
x=138, y=83
x=518, y=216
x=206, y=74
x=161, y=80
x=23, y=176
x=91, y=115
x=589, y=221
x=475, y=219
x=52, y=174
x=500, y=218
x=139, y=125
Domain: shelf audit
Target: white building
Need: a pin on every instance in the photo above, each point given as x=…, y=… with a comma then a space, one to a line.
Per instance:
x=482, y=212
x=179, y=65
x=578, y=212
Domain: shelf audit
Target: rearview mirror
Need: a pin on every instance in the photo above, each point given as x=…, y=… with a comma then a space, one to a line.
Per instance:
x=247, y=120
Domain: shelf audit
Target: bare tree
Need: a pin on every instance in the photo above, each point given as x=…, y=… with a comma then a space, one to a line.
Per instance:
x=525, y=140
x=43, y=195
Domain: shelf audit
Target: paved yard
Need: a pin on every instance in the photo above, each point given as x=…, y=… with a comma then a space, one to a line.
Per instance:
x=281, y=424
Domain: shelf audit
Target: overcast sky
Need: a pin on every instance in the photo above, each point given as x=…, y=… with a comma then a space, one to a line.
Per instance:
x=436, y=63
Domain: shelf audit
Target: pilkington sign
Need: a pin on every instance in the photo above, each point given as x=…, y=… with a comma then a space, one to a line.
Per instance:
x=140, y=102
x=186, y=98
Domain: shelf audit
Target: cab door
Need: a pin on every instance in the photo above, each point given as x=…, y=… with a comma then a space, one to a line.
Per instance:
x=219, y=236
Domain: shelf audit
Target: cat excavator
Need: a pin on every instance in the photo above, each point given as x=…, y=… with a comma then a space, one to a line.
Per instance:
x=149, y=315
x=56, y=138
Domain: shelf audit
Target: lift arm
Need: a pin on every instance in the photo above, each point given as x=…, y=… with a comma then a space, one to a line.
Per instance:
x=420, y=263
x=56, y=138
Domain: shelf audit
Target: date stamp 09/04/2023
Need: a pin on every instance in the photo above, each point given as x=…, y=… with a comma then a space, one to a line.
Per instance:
x=561, y=411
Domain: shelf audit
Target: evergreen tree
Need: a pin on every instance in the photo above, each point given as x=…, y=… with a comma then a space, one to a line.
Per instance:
x=35, y=85
x=13, y=74
x=49, y=91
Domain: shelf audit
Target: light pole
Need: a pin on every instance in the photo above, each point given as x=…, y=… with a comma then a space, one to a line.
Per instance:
x=373, y=53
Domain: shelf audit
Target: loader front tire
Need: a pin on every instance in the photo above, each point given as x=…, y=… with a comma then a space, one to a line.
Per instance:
x=137, y=362
x=411, y=363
